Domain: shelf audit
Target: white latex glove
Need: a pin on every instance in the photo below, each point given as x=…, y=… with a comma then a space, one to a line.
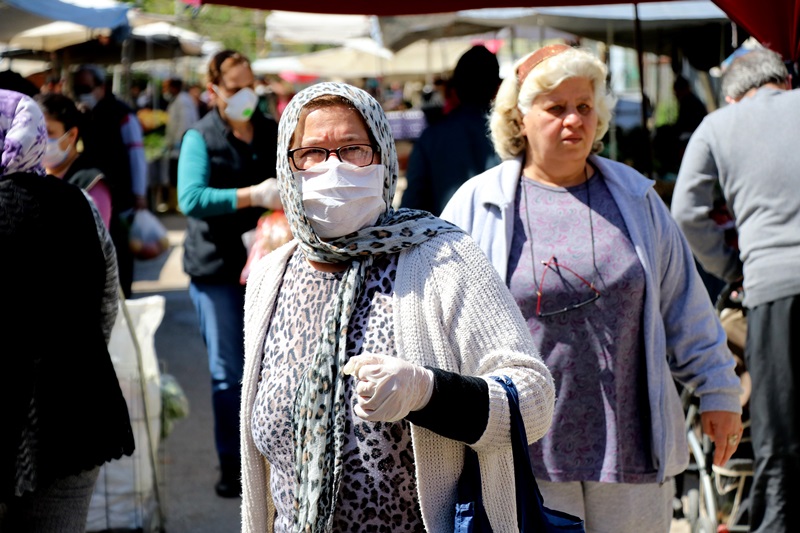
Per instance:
x=265, y=194
x=388, y=388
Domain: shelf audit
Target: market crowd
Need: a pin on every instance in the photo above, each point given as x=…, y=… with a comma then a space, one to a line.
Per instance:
x=360, y=361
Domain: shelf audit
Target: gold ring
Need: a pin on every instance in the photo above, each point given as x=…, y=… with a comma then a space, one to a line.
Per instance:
x=733, y=439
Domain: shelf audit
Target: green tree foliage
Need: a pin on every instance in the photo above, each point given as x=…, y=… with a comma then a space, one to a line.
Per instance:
x=237, y=28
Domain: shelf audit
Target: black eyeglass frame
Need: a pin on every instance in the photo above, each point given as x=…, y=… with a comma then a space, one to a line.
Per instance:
x=552, y=262
x=374, y=147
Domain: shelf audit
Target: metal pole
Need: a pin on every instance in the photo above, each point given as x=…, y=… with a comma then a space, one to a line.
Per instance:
x=428, y=63
x=156, y=90
x=613, y=146
x=637, y=32
x=127, y=59
x=512, y=48
x=541, y=31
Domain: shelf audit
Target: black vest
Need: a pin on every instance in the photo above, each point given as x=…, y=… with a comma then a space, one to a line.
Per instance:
x=52, y=348
x=213, y=250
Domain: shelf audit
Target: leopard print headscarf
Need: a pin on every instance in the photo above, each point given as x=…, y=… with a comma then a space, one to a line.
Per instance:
x=318, y=420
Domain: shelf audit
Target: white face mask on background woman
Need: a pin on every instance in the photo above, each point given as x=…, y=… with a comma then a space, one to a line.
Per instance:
x=241, y=106
x=53, y=154
x=88, y=100
x=340, y=198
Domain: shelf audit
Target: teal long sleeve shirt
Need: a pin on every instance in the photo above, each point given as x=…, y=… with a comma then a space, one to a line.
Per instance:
x=195, y=197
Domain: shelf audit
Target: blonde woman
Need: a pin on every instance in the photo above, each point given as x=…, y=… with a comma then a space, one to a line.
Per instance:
x=610, y=293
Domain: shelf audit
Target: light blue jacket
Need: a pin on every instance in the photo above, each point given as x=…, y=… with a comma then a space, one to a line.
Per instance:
x=683, y=338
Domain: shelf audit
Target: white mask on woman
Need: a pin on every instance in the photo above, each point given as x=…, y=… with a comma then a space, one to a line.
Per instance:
x=88, y=100
x=340, y=198
x=53, y=154
x=241, y=106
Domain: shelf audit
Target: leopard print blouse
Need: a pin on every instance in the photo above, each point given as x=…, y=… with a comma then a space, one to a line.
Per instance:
x=378, y=490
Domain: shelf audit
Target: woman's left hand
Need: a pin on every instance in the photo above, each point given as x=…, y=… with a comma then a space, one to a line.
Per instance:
x=725, y=429
x=388, y=388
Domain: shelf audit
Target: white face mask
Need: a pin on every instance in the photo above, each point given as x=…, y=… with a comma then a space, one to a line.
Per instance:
x=340, y=198
x=241, y=106
x=53, y=154
x=89, y=100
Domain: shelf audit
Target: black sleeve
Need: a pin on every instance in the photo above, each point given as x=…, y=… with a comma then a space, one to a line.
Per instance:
x=458, y=408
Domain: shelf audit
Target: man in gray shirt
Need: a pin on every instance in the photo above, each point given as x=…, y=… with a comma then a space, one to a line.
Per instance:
x=751, y=150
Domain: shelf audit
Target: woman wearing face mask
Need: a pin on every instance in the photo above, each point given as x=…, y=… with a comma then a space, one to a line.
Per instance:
x=369, y=342
x=61, y=156
x=224, y=185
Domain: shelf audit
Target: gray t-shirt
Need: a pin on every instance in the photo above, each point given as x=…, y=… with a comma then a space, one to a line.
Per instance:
x=594, y=352
x=747, y=147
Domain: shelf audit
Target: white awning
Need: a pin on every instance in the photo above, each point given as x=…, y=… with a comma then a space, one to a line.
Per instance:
x=19, y=15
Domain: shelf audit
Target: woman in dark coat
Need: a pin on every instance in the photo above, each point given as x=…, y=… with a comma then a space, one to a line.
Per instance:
x=62, y=412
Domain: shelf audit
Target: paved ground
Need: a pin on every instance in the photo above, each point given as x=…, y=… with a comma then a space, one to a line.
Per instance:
x=189, y=460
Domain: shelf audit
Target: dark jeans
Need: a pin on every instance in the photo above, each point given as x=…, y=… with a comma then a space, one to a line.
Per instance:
x=773, y=359
x=220, y=309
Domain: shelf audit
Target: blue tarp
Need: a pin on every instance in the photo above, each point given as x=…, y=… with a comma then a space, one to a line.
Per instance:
x=92, y=17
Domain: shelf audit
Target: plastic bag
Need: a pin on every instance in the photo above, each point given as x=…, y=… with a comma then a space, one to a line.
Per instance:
x=148, y=236
x=272, y=231
x=175, y=404
x=124, y=497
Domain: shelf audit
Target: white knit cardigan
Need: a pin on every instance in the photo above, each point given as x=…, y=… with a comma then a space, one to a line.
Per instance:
x=453, y=312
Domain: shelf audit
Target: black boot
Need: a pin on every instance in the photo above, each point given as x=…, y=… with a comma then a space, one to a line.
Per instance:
x=230, y=482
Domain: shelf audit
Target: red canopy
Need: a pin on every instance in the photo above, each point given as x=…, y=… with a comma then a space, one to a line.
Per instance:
x=405, y=7
x=773, y=22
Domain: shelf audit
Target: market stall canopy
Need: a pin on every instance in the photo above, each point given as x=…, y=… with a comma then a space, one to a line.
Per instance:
x=407, y=7
x=191, y=43
x=108, y=51
x=319, y=28
x=597, y=19
x=697, y=28
x=57, y=35
x=390, y=34
x=775, y=23
x=17, y=16
x=148, y=36
x=418, y=59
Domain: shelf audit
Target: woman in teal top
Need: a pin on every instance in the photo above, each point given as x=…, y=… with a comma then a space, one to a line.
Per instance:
x=225, y=183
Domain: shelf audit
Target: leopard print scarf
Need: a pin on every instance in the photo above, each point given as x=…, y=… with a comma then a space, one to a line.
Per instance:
x=318, y=419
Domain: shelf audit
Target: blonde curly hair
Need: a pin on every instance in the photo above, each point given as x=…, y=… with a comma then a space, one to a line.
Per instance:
x=513, y=102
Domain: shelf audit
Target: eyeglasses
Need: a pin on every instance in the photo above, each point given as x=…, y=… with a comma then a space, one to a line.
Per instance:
x=360, y=155
x=555, y=266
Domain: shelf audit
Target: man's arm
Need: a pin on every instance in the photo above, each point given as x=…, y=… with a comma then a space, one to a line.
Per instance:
x=132, y=137
x=173, y=125
x=692, y=201
x=187, y=115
